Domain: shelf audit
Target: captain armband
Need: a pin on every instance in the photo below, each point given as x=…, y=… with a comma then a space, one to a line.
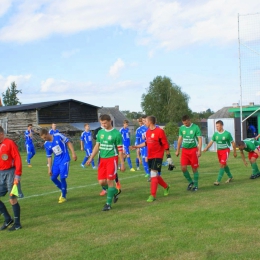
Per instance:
x=120, y=148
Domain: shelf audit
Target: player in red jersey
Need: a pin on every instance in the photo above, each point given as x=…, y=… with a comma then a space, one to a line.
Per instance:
x=10, y=173
x=156, y=142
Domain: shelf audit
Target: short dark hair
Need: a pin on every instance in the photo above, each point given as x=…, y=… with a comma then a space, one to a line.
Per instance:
x=86, y=124
x=140, y=119
x=241, y=143
x=152, y=119
x=144, y=116
x=126, y=122
x=184, y=118
x=2, y=130
x=29, y=125
x=105, y=117
x=43, y=131
x=220, y=122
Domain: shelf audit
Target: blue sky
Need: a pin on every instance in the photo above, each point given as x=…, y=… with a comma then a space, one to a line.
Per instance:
x=105, y=52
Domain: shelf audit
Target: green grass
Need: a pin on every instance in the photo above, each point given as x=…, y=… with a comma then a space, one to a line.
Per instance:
x=214, y=223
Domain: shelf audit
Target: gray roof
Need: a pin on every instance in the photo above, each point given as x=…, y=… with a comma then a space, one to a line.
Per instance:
x=80, y=126
x=222, y=113
x=38, y=105
x=118, y=116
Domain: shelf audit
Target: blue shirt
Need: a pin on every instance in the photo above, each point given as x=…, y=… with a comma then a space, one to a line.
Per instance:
x=59, y=148
x=28, y=138
x=86, y=137
x=125, y=135
x=52, y=132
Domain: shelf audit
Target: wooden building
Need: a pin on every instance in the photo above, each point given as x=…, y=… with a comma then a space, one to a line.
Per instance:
x=63, y=112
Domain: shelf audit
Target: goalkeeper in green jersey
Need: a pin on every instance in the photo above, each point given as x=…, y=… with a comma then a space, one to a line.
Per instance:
x=223, y=140
x=253, y=148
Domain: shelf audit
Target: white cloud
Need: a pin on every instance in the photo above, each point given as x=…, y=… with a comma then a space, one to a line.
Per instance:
x=116, y=68
x=20, y=81
x=164, y=23
x=68, y=54
x=5, y=5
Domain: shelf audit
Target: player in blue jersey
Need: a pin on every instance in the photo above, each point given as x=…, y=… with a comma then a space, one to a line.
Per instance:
x=53, y=129
x=86, y=144
x=29, y=144
x=58, y=145
x=126, y=143
x=140, y=138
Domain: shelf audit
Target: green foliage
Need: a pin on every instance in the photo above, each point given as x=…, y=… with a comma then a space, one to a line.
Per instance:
x=204, y=114
x=10, y=96
x=172, y=131
x=132, y=115
x=165, y=100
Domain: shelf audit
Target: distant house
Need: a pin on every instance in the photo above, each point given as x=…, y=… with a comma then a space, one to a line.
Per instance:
x=63, y=112
x=117, y=117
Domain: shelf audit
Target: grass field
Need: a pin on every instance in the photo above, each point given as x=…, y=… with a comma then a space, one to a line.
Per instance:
x=214, y=223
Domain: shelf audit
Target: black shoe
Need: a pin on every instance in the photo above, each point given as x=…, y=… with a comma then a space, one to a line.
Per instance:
x=6, y=224
x=116, y=196
x=253, y=176
x=106, y=207
x=258, y=175
x=14, y=227
x=195, y=189
x=190, y=186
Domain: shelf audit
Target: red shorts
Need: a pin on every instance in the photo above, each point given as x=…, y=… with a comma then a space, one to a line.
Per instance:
x=107, y=168
x=253, y=154
x=223, y=156
x=190, y=157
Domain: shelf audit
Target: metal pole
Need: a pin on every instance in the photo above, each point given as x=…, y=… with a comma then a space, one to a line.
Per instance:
x=240, y=83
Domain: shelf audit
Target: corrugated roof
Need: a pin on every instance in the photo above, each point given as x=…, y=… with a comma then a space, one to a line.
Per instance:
x=118, y=116
x=80, y=126
x=38, y=105
x=222, y=113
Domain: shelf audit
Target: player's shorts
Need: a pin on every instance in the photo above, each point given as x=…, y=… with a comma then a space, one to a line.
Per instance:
x=190, y=157
x=253, y=154
x=155, y=164
x=88, y=151
x=126, y=149
x=61, y=169
x=6, y=182
x=30, y=148
x=223, y=156
x=107, y=168
x=143, y=151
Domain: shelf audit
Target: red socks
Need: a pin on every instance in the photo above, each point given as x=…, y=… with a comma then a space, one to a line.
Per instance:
x=162, y=182
x=154, y=184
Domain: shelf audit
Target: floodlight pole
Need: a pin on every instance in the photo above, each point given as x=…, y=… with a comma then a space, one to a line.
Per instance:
x=240, y=83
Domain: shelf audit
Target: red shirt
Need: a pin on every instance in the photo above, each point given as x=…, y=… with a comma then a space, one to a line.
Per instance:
x=156, y=142
x=10, y=156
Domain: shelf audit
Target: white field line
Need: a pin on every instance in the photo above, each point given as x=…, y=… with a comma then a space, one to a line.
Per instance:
x=73, y=188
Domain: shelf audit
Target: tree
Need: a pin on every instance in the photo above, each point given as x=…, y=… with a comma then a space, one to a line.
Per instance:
x=10, y=96
x=172, y=131
x=132, y=115
x=165, y=100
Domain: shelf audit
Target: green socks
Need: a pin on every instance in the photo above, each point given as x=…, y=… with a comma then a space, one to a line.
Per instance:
x=187, y=176
x=226, y=168
x=196, y=179
x=255, y=169
x=111, y=191
x=220, y=174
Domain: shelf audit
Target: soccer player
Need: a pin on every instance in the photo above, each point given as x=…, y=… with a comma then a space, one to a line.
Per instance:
x=191, y=141
x=86, y=144
x=223, y=140
x=139, y=139
x=29, y=144
x=58, y=145
x=252, y=147
x=126, y=143
x=53, y=129
x=156, y=143
x=10, y=173
x=109, y=145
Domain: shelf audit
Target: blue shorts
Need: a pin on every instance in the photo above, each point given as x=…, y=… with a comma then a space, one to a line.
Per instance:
x=61, y=169
x=6, y=182
x=126, y=150
x=88, y=151
x=30, y=148
x=143, y=152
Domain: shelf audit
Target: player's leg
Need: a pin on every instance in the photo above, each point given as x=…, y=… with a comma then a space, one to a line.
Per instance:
x=127, y=153
x=32, y=151
x=252, y=158
x=92, y=162
x=29, y=154
x=64, y=172
x=185, y=161
x=145, y=161
x=154, y=180
x=194, y=162
x=137, y=163
x=222, y=158
x=85, y=159
x=3, y=210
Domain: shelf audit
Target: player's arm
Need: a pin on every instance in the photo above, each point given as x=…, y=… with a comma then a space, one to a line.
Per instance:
x=17, y=162
x=234, y=149
x=138, y=146
x=94, y=153
x=199, y=145
x=178, y=146
x=81, y=145
x=208, y=146
x=70, y=146
x=257, y=137
x=243, y=157
x=49, y=160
